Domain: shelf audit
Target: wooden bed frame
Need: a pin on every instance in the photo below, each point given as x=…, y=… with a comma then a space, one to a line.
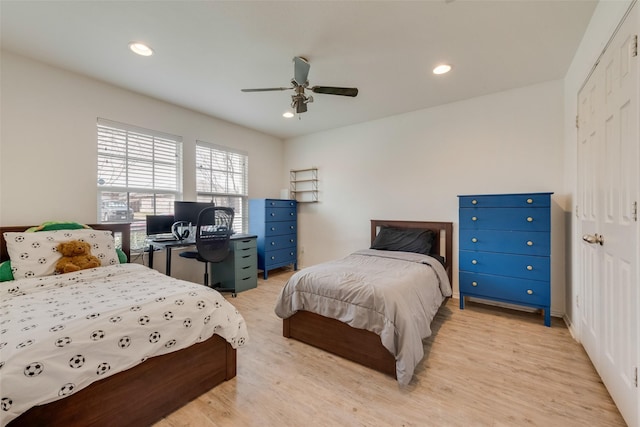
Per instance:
x=143, y=394
x=359, y=345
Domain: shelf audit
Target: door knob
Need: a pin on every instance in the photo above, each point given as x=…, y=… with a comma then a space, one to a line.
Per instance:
x=594, y=238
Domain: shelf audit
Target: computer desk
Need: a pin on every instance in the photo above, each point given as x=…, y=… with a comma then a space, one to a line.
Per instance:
x=168, y=246
x=243, y=247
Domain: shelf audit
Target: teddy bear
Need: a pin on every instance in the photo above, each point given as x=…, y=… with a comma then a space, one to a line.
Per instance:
x=76, y=255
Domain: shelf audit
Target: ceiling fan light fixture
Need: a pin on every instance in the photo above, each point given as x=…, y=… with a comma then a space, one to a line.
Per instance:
x=299, y=83
x=287, y=114
x=140, y=48
x=442, y=69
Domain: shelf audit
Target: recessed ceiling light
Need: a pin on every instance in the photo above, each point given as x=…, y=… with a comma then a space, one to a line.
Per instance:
x=441, y=69
x=140, y=48
x=288, y=114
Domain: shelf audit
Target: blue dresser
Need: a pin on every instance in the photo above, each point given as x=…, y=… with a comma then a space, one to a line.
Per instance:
x=505, y=248
x=275, y=223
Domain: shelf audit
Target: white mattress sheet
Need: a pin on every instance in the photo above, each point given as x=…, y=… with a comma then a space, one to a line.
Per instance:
x=393, y=294
x=58, y=334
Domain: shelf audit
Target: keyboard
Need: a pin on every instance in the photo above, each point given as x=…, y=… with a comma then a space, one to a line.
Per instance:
x=165, y=240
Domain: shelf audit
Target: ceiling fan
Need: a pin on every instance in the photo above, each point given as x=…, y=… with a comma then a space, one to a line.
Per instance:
x=299, y=83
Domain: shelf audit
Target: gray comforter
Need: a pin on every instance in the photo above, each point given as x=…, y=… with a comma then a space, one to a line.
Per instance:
x=393, y=294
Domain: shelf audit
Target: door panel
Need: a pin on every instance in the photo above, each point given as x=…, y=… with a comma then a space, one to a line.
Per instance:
x=608, y=187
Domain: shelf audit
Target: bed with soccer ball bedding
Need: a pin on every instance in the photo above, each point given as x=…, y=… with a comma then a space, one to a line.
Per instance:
x=61, y=333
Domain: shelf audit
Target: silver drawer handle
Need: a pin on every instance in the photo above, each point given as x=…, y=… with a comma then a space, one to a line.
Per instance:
x=474, y=202
x=473, y=261
x=529, y=219
x=273, y=229
x=474, y=218
x=529, y=267
x=273, y=257
x=529, y=201
x=474, y=283
x=529, y=243
x=474, y=240
x=273, y=243
x=529, y=291
x=273, y=214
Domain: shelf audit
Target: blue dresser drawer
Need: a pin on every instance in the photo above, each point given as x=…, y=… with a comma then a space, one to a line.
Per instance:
x=521, y=266
x=506, y=200
x=533, y=219
x=516, y=242
x=280, y=214
x=279, y=257
x=279, y=228
x=275, y=203
x=529, y=292
x=280, y=242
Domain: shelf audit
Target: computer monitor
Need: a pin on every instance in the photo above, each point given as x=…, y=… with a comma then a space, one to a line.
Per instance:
x=188, y=211
x=159, y=224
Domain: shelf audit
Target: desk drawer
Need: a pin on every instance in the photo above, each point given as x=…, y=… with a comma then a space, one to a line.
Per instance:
x=506, y=200
x=505, y=288
x=246, y=268
x=533, y=219
x=516, y=242
x=244, y=245
x=522, y=266
x=245, y=258
x=246, y=281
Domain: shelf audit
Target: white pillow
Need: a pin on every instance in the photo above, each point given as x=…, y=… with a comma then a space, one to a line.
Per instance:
x=34, y=254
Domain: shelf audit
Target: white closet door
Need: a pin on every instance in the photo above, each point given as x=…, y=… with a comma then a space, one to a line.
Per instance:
x=609, y=187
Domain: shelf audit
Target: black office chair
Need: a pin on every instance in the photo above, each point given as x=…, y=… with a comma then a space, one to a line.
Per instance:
x=213, y=234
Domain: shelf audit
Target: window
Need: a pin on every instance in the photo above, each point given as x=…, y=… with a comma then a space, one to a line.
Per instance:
x=139, y=174
x=221, y=177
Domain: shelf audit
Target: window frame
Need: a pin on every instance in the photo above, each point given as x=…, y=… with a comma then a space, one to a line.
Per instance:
x=164, y=170
x=239, y=200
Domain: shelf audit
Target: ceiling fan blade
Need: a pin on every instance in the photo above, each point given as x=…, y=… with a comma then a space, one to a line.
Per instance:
x=300, y=70
x=266, y=89
x=330, y=90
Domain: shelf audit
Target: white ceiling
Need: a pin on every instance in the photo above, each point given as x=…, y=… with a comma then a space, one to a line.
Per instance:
x=206, y=51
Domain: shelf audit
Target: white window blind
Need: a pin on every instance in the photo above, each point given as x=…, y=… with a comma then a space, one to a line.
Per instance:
x=221, y=177
x=139, y=174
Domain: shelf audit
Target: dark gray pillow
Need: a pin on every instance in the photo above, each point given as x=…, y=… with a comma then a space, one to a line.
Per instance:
x=404, y=239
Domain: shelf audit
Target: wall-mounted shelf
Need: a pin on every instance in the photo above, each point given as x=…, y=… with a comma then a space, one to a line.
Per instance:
x=303, y=185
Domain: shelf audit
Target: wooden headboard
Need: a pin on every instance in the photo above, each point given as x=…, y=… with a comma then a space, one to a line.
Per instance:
x=118, y=228
x=442, y=245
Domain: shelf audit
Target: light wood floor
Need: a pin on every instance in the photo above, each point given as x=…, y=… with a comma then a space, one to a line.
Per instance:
x=483, y=366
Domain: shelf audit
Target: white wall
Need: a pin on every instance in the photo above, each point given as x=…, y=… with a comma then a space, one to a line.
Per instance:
x=603, y=23
x=48, y=166
x=412, y=167
x=48, y=144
